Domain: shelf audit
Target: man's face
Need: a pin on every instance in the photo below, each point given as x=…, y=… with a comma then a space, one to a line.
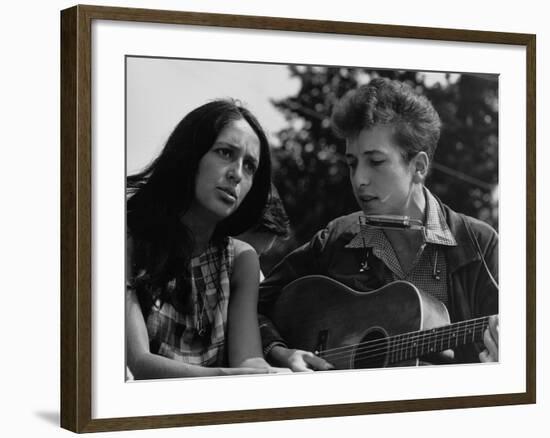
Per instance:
x=381, y=179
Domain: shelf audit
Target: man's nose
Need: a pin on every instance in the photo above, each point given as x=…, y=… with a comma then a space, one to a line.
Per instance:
x=361, y=177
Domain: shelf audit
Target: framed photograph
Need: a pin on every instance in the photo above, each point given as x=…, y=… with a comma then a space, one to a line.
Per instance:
x=132, y=79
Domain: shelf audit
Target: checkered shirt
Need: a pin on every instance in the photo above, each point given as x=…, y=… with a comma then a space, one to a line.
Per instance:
x=197, y=338
x=429, y=270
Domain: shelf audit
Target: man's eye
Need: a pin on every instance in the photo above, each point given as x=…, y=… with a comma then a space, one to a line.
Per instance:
x=376, y=162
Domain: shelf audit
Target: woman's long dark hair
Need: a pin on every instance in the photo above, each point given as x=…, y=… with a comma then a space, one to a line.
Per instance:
x=159, y=195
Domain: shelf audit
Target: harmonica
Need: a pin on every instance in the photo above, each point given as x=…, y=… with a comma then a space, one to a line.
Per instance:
x=391, y=221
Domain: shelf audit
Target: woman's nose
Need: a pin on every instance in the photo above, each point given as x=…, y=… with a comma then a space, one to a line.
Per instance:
x=235, y=171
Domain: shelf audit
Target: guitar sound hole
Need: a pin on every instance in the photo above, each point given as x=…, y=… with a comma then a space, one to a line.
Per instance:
x=372, y=351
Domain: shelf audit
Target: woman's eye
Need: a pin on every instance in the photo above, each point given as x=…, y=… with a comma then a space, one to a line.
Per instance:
x=376, y=162
x=250, y=168
x=225, y=152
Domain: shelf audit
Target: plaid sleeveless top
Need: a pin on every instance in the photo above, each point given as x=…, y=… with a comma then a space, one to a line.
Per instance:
x=197, y=338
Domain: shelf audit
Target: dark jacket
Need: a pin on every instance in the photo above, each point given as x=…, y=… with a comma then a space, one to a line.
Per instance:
x=470, y=290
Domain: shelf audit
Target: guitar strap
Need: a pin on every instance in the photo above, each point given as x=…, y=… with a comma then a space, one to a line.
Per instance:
x=474, y=240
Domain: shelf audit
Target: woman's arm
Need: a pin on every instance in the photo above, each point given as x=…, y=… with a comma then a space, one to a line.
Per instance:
x=145, y=365
x=244, y=344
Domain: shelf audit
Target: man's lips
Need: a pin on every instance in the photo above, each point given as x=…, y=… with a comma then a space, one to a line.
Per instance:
x=367, y=198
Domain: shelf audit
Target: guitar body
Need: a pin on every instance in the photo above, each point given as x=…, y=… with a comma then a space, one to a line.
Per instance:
x=319, y=314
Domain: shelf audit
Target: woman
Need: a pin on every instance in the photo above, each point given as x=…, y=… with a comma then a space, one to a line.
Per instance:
x=192, y=291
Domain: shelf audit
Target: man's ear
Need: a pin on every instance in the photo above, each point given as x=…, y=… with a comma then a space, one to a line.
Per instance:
x=421, y=164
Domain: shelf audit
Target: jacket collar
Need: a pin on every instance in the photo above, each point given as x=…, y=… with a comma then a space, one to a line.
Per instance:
x=464, y=252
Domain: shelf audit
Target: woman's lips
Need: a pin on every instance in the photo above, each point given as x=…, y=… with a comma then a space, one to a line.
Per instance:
x=227, y=194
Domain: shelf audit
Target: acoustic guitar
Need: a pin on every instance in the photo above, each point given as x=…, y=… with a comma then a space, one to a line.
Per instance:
x=395, y=325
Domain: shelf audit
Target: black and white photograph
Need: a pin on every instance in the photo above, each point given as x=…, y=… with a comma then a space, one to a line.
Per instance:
x=289, y=218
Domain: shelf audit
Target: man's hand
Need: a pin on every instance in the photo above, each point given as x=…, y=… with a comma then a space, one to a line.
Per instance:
x=298, y=360
x=490, y=339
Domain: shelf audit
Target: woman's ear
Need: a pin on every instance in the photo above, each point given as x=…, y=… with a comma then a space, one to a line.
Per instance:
x=421, y=164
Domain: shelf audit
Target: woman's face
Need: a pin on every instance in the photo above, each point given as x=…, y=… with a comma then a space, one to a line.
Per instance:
x=226, y=172
x=382, y=181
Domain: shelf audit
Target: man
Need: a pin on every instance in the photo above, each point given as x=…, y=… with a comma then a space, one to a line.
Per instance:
x=391, y=134
x=273, y=225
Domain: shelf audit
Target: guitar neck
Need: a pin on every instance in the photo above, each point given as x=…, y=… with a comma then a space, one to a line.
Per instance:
x=417, y=344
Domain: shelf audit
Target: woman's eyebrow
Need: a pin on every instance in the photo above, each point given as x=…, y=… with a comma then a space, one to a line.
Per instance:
x=227, y=143
x=238, y=148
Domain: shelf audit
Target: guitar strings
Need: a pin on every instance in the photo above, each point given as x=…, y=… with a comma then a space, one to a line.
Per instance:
x=404, y=353
x=394, y=358
x=444, y=329
x=405, y=342
x=395, y=354
x=394, y=344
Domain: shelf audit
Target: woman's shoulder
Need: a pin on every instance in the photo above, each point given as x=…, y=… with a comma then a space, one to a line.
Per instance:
x=241, y=247
x=244, y=253
x=246, y=260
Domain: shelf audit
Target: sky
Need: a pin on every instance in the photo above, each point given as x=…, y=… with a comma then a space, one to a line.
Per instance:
x=161, y=91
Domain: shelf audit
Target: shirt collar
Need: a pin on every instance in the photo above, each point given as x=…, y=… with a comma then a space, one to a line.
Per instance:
x=436, y=229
